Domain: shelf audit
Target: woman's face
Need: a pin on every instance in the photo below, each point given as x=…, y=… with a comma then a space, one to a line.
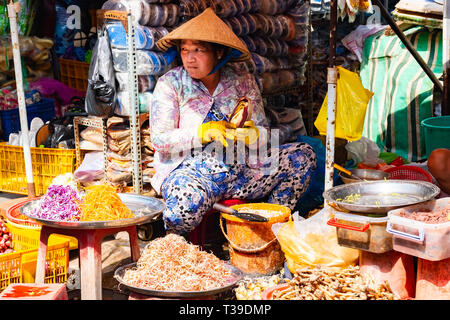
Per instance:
x=198, y=57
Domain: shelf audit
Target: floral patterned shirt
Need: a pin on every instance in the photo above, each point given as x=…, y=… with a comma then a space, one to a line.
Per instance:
x=180, y=104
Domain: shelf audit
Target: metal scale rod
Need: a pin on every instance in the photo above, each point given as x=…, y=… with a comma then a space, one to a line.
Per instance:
x=134, y=103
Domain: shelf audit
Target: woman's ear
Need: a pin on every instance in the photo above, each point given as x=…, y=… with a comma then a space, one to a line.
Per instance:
x=220, y=53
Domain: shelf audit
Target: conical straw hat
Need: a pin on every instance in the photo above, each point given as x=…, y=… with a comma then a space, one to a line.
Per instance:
x=206, y=27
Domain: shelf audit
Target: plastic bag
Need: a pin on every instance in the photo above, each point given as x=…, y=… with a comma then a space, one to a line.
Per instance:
x=101, y=90
x=92, y=167
x=364, y=150
x=311, y=242
x=351, y=103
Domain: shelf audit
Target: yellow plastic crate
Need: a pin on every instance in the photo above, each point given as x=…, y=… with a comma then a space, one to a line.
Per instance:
x=47, y=163
x=10, y=269
x=74, y=73
x=20, y=266
x=28, y=237
x=56, y=264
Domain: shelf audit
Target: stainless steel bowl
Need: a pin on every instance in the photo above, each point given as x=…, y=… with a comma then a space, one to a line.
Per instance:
x=365, y=174
x=237, y=275
x=145, y=210
x=379, y=196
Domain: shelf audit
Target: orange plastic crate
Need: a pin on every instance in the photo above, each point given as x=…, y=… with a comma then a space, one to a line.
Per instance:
x=74, y=73
x=47, y=163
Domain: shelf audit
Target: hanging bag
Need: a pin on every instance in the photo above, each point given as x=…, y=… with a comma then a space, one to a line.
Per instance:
x=351, y=104
x=101, y=92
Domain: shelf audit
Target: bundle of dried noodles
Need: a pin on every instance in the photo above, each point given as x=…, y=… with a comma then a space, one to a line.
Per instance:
x=170, y=263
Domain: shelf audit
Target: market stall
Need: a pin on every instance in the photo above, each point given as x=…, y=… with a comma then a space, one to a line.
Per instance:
x=375, y=229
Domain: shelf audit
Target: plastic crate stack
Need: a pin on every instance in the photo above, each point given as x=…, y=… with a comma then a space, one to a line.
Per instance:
x=153, y=20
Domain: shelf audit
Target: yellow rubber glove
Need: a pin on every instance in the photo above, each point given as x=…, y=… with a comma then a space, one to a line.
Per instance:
x=248, y=133
x=216, y=130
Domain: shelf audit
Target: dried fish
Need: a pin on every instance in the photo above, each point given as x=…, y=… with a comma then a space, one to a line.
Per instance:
x=321, y=283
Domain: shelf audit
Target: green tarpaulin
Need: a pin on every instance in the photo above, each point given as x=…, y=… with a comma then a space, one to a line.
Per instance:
x=403, y=93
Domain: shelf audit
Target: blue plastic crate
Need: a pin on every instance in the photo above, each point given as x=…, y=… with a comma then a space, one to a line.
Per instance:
x=44, y=109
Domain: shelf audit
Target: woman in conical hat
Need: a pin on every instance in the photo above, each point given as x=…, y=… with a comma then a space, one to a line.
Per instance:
x=205, y=116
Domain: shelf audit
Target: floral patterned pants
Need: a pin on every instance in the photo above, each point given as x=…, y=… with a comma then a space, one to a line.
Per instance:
x=191, y=190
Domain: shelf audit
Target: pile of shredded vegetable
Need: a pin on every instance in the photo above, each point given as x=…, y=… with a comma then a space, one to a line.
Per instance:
x=170, y=263
x=102, y=203
x=59, y=203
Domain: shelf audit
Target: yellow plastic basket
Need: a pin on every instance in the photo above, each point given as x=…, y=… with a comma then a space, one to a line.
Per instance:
x=20, y=266
x=10, y=269
x=28, y=237
x=74, y=73
x=56, y=264
x=47, y=163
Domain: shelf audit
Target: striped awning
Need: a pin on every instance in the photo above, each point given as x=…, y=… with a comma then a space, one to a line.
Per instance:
x=403, y=93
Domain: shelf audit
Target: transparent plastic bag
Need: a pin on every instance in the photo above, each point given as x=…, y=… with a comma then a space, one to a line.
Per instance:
x=311, y=242
x=364, y=150
x=351, y=104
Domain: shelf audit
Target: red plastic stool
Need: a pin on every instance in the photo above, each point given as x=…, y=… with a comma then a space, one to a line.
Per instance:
x=198, y=235
x=90, y=248
x=34, y=291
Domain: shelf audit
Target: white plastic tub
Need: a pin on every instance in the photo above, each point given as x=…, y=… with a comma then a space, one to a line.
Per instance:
x=430, y=241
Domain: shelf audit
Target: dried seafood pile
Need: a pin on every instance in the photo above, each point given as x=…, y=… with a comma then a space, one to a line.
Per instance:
x=253, y=288
x=172, y=264
x=333, y=284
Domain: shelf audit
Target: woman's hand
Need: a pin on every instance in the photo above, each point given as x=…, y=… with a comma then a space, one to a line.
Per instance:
x=248, y=133
x=216, y=130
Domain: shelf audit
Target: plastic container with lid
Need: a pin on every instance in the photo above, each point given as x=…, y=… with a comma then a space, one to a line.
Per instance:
x=428, y=241
x=268, y=7
x=244, y=24
x=261, y=46
x=271, y=47
x=262, y=24
x=173, y=14
x=224, y=8
x=252, y=23
x=249, y=43
x=118, y=36
x=235, y=25
x=277, y=30
x=189, y=8
x=361, y=232
x=247, y=5
x=145, y=13
x=239, y=7
x=156, y=15
x=148, y=62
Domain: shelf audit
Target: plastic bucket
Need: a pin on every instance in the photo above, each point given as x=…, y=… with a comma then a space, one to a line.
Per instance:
x=436, y=132
x=254, y=249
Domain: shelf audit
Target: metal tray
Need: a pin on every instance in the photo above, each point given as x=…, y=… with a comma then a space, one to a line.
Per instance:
x=237, y=276
x=364, y=174
x=380, y=196
x=146, y=209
